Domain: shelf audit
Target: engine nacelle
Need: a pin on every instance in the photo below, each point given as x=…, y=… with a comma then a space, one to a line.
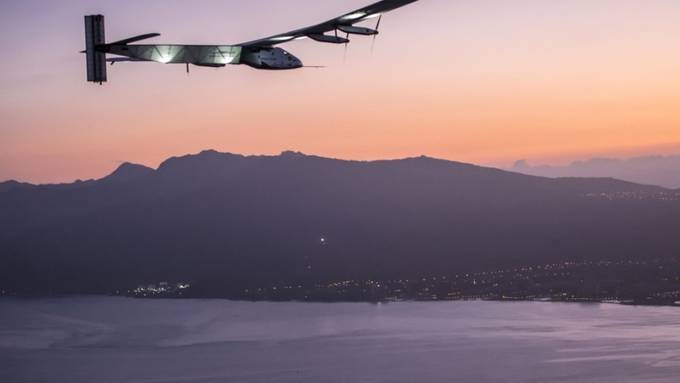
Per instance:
x=270, y=58
x=352, y=30
x=330, y=39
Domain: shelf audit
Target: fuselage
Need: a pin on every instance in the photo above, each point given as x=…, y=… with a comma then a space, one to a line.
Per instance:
x=270, y=58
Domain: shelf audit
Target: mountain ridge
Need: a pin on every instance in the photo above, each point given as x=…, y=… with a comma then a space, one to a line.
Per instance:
x=128, y=170
x=225, y=221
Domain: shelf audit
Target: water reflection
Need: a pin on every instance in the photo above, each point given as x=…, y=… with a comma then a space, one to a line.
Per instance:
x=212, y=340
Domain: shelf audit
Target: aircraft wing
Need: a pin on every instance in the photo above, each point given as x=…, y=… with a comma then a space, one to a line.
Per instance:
x=317, y=32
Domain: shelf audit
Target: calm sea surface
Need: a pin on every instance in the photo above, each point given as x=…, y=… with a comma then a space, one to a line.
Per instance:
x=124, y=340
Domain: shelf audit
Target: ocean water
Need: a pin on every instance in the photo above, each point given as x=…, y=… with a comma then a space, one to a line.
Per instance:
x=126, y=340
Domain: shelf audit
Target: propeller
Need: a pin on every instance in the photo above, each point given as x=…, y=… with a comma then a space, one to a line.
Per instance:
x=377, y=29
x=344, y=57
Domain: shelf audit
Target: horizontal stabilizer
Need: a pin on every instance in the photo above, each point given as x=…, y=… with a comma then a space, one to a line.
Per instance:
x=135, y=39
x=114, y=60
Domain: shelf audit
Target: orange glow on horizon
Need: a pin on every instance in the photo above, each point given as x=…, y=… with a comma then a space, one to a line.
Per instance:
x=484, y=82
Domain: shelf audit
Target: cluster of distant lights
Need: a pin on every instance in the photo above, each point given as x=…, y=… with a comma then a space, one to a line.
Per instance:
x=637, y=195
x=517, y=270
x=161, y=288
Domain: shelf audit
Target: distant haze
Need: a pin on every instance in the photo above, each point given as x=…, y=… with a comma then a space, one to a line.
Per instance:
x=651, y=170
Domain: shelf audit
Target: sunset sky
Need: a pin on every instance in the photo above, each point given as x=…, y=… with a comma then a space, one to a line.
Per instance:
x=483, y=81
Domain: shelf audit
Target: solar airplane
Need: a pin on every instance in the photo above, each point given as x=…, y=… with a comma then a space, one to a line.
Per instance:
x=258, y=54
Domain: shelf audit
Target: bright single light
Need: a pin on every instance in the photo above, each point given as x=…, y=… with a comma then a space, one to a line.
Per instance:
x=354, y=16
x=227, y=59
x=301, y=38
x=165, y=54
x=373, y=16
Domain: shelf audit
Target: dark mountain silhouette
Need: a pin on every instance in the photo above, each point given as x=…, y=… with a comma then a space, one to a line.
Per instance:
x=651, y=170
x=128, y=172
x=10, y=185
x=225, y=221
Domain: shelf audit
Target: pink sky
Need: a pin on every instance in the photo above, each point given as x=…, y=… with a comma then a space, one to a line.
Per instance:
x=487, y=81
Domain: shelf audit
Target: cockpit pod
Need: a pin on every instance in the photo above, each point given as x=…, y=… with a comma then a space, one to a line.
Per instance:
x=270, y=58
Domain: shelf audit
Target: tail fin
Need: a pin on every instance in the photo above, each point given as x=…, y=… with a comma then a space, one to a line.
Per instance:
x=95, y=36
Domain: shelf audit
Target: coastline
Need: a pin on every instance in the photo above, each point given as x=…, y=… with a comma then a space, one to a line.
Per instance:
x=586, y=301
